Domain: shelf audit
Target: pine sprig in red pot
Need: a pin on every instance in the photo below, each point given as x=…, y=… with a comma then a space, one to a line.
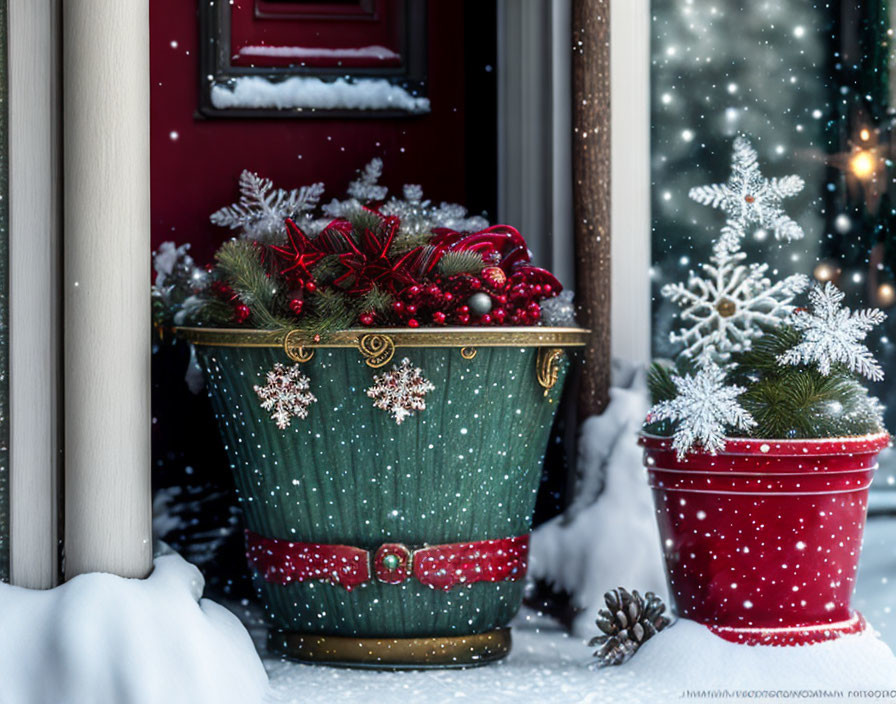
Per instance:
x=763, y=439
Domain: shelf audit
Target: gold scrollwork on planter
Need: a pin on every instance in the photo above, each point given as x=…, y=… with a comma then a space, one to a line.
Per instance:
x=295, y=350
x=468, y=352
x=377, y=349
x=547, y=367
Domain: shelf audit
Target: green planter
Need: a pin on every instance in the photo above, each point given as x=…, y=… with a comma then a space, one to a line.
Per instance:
x=464, y=469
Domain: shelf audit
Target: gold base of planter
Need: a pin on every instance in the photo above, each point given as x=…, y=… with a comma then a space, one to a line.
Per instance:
x=393, y=653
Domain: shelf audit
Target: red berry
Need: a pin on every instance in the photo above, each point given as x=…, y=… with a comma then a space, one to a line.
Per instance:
x=547, y=288
x=463, y=318
x=366, y=319
x=463, y=310
x=412, y=323
x=398, y=306
x=411, y=308
x=486, y=319
x=413, y=291
x=241, y=313
x=499, y=314
x=433, y=290
x=296, y=305
x=311, y=287
x=438, y=317
x=448, y=296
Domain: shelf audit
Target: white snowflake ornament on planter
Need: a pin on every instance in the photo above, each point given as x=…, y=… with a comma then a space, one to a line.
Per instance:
x=705, y=408
x=401, y=391
x=832, y=334
x=286, y=394
x=751, y=199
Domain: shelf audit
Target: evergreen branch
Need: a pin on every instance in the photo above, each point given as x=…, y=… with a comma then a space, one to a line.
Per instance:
x=240, y=265
x=464, y=262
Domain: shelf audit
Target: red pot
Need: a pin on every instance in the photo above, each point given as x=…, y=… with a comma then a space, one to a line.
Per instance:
x=762, y=541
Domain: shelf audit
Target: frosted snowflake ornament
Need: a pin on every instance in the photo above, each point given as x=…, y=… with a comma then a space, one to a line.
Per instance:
x=704, y=409
x=401, y=391
x=262, y=209
x=727, y=307
x=833, y=334
x=723, y=310
x=286, y=394
x=748, y=198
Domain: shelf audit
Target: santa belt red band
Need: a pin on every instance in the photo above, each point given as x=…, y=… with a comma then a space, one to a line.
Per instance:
x=436, y=566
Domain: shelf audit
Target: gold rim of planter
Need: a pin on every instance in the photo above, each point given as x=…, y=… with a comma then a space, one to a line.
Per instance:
x=400, y=337
x=393, y=653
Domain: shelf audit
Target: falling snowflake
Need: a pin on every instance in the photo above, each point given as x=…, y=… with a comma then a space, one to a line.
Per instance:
x=262, y=210
x=286, y=394
x=400, y=391
x=749, y=198
x=703, y=409
x=724, y=309
x=833, y=334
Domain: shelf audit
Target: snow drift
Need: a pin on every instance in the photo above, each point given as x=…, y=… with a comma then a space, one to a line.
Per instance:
x=103, y=639
x=611, y=540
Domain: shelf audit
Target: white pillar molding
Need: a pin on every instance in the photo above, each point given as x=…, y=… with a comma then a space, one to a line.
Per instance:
x=534, y=127
x=106, y=287
x=630, y=177
x=34, y=287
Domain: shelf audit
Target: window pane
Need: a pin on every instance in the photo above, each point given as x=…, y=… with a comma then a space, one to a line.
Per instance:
x=808, y=83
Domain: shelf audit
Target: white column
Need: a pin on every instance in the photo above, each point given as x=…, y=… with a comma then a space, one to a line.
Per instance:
x=106, y=287
x=630, y=178
x=34, y=283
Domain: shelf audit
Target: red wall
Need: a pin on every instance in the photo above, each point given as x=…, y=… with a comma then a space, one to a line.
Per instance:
x=196, y=162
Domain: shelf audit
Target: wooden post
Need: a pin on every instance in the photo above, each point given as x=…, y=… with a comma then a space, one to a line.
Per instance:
x=591, y=192
x=106, y=287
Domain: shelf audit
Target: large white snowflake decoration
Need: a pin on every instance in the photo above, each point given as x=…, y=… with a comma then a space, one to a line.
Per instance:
x=722, y=310
x=727, y=306
x=832, y=334
x=751, y=199
x=262, y=209
x=704, y=409
x=286, y=394
x=401, y=391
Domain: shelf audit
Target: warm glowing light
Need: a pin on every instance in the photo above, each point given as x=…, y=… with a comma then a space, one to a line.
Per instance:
x=824, y=272
x=862, y=164
x=886, y=294
x=864, y=135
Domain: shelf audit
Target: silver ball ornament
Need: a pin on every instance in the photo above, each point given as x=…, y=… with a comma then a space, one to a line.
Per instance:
x=480, y=303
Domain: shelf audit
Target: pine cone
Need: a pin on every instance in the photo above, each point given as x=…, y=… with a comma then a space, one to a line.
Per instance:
x=626, y=623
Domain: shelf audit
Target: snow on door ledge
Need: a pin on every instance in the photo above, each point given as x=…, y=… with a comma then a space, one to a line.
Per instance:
x=301, y=92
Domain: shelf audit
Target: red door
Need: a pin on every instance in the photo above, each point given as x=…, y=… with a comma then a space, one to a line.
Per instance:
x=198, y=154
x=197, y=157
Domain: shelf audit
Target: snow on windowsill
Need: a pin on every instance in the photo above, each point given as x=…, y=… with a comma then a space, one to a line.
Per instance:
x=310, y=93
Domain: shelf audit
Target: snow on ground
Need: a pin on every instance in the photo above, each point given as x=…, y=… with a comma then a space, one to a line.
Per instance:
x=547, y=665
x=611, y=541
x=102, y=639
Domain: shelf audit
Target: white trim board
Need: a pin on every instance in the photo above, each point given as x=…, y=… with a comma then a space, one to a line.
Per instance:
x=34, y=252
x=630, y=175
